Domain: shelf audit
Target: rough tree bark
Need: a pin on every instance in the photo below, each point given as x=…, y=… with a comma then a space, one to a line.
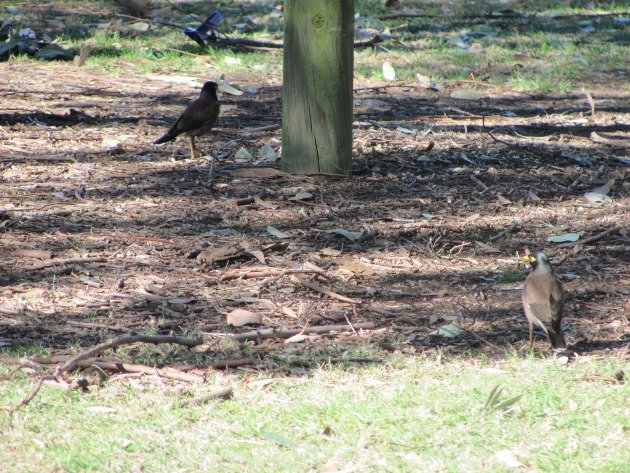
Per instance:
x=317, y=97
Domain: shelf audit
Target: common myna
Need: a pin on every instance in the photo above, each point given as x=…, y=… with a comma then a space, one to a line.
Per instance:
x=543, y=300
x=198, y=118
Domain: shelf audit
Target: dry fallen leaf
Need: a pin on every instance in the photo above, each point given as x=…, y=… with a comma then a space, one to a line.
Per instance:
x=239, y=317
x=275, y=232
x=465, y=94
x=264, y=204
x=451, y=330
x=290, y=313
x=222, y=253
x=533, y=197
x=256, y=253
x=330, y=252
x=300, y=337
x=503, y=200
x=600, y=194
x=566, y=237
x=356, y=267
x=352, y=236
x=302, y=196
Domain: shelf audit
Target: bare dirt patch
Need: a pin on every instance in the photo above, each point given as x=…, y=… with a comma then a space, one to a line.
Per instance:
x=99, y=229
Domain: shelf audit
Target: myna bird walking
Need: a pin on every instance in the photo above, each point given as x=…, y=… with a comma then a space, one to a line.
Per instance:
x=198, y=118
x=543, y=300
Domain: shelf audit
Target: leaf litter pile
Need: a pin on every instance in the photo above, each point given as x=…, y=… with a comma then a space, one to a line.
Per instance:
x=103, y=234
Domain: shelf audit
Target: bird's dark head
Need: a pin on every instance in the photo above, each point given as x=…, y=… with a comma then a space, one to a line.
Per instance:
x=209, y=90
x=537, y=260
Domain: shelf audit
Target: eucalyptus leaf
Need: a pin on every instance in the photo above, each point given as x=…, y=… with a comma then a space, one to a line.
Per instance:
x=451, y=330
x=352, y=236
x=279, y=439
x=302, y=195
x=566, y=237
x=275, y=232
x=600, y=194
x=242, y=155
x=465, y=94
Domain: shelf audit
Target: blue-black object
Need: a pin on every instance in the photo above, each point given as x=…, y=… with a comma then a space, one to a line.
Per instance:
x=201, y=33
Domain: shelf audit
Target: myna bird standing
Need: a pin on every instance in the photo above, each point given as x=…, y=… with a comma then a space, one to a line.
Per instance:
x=198, y=118
x=543, y=300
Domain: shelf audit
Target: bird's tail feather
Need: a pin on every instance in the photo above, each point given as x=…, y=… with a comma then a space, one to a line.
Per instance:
x=165, y=139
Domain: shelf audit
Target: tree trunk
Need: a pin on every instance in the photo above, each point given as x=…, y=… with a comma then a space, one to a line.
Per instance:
x=317, y=90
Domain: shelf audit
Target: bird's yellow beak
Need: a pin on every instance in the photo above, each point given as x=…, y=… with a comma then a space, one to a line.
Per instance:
x=529, y=259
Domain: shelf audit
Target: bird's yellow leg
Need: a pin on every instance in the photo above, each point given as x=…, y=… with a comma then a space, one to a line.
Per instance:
x=193, y=148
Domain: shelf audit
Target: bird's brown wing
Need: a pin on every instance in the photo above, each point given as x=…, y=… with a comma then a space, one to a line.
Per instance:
x=537, y=297
x=199, y=117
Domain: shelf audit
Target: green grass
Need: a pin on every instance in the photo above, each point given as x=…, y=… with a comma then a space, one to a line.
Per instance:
x=551, y=41
x=509, y=276
x=408, y=414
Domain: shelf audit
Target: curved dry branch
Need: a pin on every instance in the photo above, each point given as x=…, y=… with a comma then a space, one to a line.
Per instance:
x=74, y=362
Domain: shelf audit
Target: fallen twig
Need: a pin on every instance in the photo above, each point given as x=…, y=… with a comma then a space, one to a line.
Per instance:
x=285, y=272
x=225, y=364
x=223, y=395
x=22, y=159
x=170, y=373
x=287, y=333
x=591, y=102
x=126, y=340
x=76, y=323
x=323, y=290
x=479, y=182
x=274, y=273
x=507, y=231
x=73, y=362
x=354, y=311
x=597, y=138
x=62, y=262
x=592, y=239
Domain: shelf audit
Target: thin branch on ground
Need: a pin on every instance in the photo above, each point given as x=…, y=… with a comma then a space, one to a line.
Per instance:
x=75, y=361
x=597, y=138
x=273, y=273
x=24, y=159
x=293, y=271
x=222, y=395
x=63, y=262
x=323, y=290
x=348, y=320
x=592, y=239
x=76, y=323
x=170, y=373
x=287, y=333
x=225, y=364
x=507, y=231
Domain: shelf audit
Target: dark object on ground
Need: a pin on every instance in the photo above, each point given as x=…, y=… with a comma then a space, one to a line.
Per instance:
x=201, y=33
x=543, y=300
x=198, y=118
x=26, y=41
